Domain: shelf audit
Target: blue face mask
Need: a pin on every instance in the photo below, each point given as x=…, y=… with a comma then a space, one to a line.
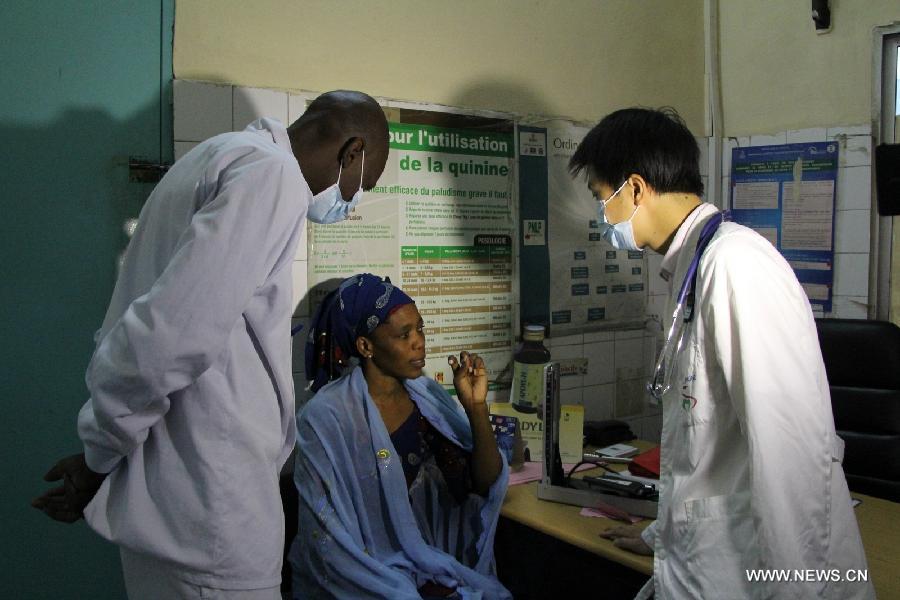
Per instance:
x=619, y=235
x=329, y=206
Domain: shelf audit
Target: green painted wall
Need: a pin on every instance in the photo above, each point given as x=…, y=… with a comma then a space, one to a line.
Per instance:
x=83, y=85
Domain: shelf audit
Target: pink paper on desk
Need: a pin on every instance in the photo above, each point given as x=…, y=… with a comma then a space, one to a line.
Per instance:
x=596, y=512
x=532, y=472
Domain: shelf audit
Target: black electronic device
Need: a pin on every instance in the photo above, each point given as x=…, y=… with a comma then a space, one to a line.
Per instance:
x=606, y=433
x=614, y=498
x=610, y=484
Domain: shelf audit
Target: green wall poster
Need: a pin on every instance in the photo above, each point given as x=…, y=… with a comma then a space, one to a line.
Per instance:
x=440, y=224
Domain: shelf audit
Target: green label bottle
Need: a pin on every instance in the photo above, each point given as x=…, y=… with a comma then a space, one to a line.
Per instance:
x=527, y=391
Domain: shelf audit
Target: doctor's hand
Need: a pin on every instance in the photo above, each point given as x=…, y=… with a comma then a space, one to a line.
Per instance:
x=628, y=537
x=470, y=380
x=66, y=502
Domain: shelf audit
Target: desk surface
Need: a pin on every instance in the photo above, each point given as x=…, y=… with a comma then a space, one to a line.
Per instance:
x=879, y=525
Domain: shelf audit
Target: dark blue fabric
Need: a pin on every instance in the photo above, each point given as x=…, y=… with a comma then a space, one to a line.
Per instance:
x=359, y=305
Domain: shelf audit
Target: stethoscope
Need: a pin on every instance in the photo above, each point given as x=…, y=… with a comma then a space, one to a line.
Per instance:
x=661, y=381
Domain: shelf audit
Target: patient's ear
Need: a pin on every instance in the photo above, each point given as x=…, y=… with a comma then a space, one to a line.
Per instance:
x=365, y=347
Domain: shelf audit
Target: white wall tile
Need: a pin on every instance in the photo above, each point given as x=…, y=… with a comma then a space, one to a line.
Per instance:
x=297, y=105
x=568, y=340
x=628, y=334
x=851, y=231
x=631, y=398
x=253, y=103
x=301, y=288
x=865, y=129
x=599, y=336
x=854, y=188
x=629, y=356
x=849, y=307
x=599, y=402
x=201, y=110
x=851, y=275
x=182, y=148
x=769, y=140
x=570, y=396
x=601, y=363
x=853, y=150
x=816, y=134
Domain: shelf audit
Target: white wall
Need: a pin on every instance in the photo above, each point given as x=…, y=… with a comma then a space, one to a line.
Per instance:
x=778, y=74
x=577, y=58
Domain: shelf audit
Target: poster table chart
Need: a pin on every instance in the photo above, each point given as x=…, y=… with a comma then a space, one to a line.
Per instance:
x=879, y=524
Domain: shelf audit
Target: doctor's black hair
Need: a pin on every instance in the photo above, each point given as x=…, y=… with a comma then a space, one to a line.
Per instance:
x=655, y=144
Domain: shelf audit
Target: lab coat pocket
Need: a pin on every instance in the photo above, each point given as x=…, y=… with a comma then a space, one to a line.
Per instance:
x=720, y=543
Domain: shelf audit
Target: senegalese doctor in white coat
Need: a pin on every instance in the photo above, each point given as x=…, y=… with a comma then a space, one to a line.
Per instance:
x=751, y=475
x=191, y=409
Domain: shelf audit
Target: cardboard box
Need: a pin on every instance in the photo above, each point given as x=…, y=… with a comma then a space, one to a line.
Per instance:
x=571, y=431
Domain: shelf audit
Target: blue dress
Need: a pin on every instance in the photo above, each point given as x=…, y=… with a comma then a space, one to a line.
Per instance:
x=363, y=531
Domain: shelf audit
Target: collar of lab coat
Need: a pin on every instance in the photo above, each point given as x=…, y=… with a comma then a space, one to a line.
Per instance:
x=279, y=134
x=694, y=218
x=275, y=128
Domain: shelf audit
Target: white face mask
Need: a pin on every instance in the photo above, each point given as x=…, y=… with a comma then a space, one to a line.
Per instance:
x=619, y=235
x=329, y=206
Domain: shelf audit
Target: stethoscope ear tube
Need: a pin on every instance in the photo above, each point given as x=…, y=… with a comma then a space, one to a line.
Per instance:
x=660, y=383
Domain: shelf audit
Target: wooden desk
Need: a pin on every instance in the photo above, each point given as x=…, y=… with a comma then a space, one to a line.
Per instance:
x=563, y=522
x=879, y=525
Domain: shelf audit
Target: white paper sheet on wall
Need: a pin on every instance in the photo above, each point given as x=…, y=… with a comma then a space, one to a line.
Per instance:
x=591, y=283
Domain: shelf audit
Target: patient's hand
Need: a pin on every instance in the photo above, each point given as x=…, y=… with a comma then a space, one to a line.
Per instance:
x=470, y=379
x=628, y=537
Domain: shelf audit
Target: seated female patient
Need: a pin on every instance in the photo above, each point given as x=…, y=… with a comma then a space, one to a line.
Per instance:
x=400, y=486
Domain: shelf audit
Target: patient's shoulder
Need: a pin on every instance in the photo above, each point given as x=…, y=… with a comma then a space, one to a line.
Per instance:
x=329, y=402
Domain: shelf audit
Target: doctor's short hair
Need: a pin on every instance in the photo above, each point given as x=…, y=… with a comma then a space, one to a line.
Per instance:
x=655, y=144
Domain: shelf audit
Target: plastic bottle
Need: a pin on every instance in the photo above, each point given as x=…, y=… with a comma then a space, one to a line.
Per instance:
x=528, y=370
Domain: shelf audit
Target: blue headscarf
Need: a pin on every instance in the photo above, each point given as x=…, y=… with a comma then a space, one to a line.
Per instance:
x=359, y=305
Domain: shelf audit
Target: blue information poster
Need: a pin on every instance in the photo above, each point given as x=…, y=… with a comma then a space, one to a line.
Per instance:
x=786, y=193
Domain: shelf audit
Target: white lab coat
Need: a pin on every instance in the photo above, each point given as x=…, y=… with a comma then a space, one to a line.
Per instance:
x=192, y=400
x=751, y=475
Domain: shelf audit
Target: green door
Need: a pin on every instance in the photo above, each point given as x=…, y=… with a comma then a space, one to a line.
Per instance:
x=84, y=85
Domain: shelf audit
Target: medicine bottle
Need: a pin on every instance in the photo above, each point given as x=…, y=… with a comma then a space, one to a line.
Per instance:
x=528, y=370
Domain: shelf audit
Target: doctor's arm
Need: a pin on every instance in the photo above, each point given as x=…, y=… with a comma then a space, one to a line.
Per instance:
x=168, y=337
x=765, y=342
